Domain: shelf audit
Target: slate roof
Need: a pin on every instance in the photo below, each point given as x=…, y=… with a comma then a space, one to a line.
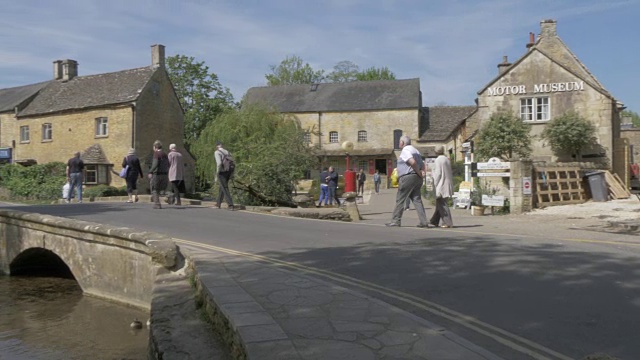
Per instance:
x=89, y=91
x=443, y=120
x=94, y=155
x=355, y=152
x=557, y=51
x=349, y=96
x=15, y=96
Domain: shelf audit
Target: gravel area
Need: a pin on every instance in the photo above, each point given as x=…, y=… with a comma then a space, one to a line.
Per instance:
x=624, y=209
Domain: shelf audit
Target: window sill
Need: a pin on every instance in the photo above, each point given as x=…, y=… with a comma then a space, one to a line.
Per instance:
x=25, y=142
x=47, y=140
x=101, y=136
x=536, y=121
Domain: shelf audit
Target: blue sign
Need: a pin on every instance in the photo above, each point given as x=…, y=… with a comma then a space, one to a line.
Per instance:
x=5, y=154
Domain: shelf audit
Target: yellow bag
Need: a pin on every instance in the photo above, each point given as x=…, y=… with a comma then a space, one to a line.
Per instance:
x=394, y=178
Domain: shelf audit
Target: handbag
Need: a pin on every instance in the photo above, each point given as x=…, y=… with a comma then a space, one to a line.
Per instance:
x=123, y=172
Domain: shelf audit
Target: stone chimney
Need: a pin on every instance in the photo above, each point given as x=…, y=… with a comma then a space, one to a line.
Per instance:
x=504, y=65
x=532, y=40
x=69, y=69
x=157, y=55
x=57, y=70
x=548, y=28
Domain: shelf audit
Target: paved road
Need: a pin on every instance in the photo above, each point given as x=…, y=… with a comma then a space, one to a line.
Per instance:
x=512, y=285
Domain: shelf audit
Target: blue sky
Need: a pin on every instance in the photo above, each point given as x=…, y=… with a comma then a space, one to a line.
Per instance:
x=453, y=46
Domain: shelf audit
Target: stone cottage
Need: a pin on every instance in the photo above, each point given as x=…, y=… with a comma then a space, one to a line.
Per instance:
x=101, y=116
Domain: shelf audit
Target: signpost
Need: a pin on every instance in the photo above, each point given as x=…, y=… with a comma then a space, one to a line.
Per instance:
x=526, y=185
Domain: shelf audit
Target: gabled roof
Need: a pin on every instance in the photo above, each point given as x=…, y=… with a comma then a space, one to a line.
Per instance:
x=550, y=45
x=89, y=91
x=349, y=96
x=94, y=155
x=443, y=120
x=16, y=96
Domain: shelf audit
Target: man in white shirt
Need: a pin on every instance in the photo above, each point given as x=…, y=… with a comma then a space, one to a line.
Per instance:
x=411, y=172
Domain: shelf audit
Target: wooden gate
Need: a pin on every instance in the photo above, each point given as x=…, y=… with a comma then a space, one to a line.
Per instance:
x=621, y=160
x=558, y=186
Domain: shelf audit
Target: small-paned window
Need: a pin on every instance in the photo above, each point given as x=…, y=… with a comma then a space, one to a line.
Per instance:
x=333, y=137
x=102, y=126
x=96, y=174
x=535, y=109
x=363, y=164
x=47, y=131
x=362, y=136
x=307, y=138
x=24, y=134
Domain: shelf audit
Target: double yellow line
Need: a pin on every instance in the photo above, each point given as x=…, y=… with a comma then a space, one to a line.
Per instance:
x=510, y=340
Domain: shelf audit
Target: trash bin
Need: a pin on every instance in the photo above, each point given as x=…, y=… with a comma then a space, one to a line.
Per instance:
x=598, y=185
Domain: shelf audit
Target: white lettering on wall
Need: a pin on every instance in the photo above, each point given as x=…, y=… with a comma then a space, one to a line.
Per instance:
x=537, y=88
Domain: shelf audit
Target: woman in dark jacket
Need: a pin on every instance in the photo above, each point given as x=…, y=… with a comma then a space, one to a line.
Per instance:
x=133, y=171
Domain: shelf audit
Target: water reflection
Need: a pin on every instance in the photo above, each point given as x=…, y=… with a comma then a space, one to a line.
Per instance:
x=49, y=318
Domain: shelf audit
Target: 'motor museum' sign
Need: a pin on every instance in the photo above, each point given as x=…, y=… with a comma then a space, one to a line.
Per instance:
x=537, y=88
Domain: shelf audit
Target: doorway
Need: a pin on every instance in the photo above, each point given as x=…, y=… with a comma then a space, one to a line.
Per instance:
x=381, y=166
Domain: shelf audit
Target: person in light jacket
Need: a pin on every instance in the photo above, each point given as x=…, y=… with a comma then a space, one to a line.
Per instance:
x=443, y=182
x=176, y=174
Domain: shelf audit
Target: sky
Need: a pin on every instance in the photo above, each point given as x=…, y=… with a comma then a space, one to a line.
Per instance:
x=452, y=46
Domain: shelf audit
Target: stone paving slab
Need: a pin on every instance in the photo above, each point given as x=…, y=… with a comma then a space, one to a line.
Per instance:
x=280, y=314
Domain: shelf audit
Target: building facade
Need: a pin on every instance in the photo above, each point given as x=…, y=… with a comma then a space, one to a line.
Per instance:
x=101, y=116
x=547, y=82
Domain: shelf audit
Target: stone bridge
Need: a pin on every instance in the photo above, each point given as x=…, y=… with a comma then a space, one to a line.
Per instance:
x=109, y=262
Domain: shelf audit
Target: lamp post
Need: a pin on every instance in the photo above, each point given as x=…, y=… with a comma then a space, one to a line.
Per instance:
x=349, y=175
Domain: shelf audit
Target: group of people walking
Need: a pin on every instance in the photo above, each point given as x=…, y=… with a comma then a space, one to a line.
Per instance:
x=165, y=169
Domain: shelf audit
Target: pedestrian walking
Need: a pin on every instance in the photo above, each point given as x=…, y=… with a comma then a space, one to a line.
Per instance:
x=443, y=182
x=223, y=176
x=75, y=167
x=361, y=178
x=376, y=181
x=131, y=162
x=411, y=171
x=333, y=186
x=324, y=187
x=158, y=173
x=176, y=174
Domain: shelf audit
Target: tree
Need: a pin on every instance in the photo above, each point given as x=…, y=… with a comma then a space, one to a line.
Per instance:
x=635, y=117
x=570, y=133
x=269, y=151
x=503, y=136
x=373, y=73
x=200, y=93
x=344, y=71
x=292, y=71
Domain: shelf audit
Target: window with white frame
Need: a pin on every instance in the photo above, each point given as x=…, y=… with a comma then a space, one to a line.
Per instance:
x=362, y=136
x=333, y=137
x=362, y=164
x=47, y=132
x=102, y=126
x=535, y=109
x=96, y=174
x=24, y=134
x=307, y=138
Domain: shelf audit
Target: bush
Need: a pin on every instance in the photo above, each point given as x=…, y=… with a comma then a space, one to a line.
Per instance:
x=37, y=182
x=570, y=133
x=103, y=191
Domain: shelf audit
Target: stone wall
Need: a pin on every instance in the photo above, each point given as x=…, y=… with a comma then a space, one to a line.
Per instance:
x=109, y=262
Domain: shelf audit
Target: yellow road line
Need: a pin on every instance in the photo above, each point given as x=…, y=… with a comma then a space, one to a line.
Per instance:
x=508, y=339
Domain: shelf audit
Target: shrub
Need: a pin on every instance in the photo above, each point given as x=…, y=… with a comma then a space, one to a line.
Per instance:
x=37, y=182
x=570, y=133
x=504, y=136
x=103, y=191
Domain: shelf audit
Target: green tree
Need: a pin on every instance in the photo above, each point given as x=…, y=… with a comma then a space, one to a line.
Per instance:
x=503, y=136
x=269, y=151
x=292, y=70
x=200, y=93
x=570, y=133
x=344, y=71
x=374, y=73
x=635, y=117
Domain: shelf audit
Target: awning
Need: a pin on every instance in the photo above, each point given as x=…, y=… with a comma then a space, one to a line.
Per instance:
x=356, y=152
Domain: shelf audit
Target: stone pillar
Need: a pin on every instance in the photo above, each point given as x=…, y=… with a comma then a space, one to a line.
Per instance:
x=351, y=207
x=518, y=202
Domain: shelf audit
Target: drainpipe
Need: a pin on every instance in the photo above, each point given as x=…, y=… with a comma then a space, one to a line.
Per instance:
x=133, y=125
x=320, y=129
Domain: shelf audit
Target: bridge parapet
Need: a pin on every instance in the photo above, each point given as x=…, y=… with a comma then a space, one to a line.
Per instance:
x=116, y=263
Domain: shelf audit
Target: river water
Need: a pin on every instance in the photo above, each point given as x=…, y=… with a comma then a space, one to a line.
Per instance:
x=49, y=318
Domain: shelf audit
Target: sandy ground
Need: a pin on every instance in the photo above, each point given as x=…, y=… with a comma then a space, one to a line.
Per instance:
x=624, y=209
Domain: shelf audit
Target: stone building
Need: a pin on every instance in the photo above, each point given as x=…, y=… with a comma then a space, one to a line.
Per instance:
x=546, y=82
x=446, y=126
x=372, y=115
x=101, y=116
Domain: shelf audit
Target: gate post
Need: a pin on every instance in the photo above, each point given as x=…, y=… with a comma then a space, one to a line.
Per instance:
x=520, y=203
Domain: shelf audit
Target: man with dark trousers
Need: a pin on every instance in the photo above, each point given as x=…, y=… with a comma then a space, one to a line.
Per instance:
x=223, y=177
x=75, y=166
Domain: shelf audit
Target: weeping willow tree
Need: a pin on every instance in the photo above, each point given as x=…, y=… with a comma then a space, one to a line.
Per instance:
x=269, y=151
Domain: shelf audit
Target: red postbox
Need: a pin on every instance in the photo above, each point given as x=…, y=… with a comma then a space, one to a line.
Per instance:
x=349, y=181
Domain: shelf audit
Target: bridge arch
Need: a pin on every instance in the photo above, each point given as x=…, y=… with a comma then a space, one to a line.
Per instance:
x=39, y=261
x=110, y=262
